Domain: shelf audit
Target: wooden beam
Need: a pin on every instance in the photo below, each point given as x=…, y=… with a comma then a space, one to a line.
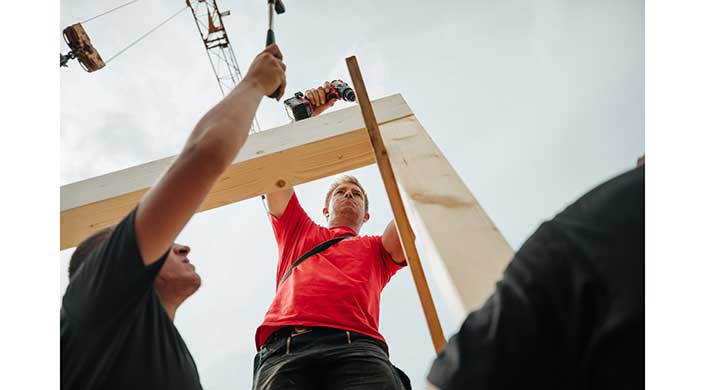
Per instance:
x=406, y=235
x=456, y=235
x=279, y=158
x=467, y=252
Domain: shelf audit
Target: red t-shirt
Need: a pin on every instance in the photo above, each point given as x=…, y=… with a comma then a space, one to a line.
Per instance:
x=338, y=288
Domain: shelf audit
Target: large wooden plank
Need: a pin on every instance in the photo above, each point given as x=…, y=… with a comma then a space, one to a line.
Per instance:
x=406, y=234
x=282, y=157
x=467, y=252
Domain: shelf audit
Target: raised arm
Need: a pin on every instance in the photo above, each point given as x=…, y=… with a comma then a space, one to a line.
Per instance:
x=211, y=147
x=392, y=244
x=277, y=201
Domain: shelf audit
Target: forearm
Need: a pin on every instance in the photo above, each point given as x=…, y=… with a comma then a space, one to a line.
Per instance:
x=213, y=144
x=277, y=201
x=392, y=243
x=223, y=130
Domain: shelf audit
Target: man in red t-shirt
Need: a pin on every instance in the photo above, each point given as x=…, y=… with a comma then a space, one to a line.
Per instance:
x=322, y=328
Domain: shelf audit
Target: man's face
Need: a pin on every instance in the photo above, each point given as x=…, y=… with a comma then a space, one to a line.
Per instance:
x=177, y=273
x=347, y=201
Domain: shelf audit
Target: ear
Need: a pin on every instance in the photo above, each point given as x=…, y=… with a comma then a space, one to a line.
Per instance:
x=367, y=217
x=325, y=212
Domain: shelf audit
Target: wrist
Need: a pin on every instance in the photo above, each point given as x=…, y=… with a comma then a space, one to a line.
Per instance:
x=249, y=84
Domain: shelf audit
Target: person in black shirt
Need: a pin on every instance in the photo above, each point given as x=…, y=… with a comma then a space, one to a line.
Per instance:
x=569, y=310
x=127, y=281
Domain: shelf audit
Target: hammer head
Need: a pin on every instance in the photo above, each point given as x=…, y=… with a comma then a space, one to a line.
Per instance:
x=278, y=6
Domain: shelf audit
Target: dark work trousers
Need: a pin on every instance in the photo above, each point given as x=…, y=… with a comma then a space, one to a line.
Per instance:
x=324, y=358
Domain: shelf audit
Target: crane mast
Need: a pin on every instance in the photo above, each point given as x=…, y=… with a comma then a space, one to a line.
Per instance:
x=210, y=26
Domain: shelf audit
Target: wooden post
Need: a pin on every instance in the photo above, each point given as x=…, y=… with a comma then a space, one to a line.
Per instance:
x=406, y=235
x=461, y=244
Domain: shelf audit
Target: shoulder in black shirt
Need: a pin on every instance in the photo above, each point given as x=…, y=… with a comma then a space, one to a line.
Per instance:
x=115, y=334
x=569, y=310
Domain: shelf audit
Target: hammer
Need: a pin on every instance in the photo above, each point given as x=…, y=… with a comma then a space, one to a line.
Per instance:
x=278, y=7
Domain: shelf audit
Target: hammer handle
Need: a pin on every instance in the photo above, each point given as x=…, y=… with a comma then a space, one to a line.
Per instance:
x=270, y=40
x=270, y=37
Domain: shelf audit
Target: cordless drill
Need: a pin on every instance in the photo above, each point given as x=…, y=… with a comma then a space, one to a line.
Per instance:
x=300, y=108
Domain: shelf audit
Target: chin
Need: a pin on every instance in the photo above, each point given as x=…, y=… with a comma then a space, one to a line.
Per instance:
x=349, y=212
x=196, y=280
x=190, y=281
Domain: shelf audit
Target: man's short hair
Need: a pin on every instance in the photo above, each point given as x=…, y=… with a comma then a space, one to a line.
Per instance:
x=343, y=180
x=86, y=247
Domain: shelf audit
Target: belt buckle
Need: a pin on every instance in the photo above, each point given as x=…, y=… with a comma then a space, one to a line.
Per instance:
x=299, y=330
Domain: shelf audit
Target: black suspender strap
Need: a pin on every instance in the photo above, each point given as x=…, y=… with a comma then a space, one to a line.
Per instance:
x=317, y=249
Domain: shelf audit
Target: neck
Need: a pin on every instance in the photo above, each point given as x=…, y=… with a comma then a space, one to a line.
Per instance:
x=335, y=223
x=170, y=304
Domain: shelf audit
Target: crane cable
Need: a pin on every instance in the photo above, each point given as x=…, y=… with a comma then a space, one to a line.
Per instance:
x=145, y=35
x=264, y=202
x=109, y=11
x=140, y=38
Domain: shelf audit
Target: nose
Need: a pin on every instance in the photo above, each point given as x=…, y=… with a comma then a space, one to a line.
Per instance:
x=348, y=194
x=181, y=249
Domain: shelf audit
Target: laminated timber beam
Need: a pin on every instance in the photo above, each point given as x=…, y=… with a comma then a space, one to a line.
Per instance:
x=465, y=248
x=270, y=160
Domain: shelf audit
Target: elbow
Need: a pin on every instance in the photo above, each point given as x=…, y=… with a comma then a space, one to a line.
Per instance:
x=213, y=146
x=210, y=156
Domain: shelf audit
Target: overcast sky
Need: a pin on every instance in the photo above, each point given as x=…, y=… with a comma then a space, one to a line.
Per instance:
x=533, y=102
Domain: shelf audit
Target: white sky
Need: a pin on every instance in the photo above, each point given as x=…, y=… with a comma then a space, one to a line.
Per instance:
x=533, y=102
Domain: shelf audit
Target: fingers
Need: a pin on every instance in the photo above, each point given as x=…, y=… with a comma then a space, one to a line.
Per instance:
x=317, y=96
x=282, y=88
x=273, y=49
x=282, y=85
x=267, y=72
x=312, y=97
x=321, y=95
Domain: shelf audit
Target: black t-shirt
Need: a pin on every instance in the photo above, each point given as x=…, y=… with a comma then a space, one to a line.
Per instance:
x=115, y=334
x=569, y=311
